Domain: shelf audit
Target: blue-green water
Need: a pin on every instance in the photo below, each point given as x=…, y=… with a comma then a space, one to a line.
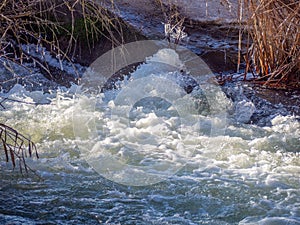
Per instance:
x=238, y=173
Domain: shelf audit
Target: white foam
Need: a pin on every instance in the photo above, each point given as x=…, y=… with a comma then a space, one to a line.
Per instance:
x=269, y=221
x=259, y=158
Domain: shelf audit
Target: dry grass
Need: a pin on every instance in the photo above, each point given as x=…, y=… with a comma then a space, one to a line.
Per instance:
x=52, y=24
x=274, y=26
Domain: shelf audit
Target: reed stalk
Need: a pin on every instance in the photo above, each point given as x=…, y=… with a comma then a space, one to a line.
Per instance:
x=274, y=27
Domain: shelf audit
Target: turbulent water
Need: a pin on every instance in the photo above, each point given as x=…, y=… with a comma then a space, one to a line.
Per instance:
x=176, y=162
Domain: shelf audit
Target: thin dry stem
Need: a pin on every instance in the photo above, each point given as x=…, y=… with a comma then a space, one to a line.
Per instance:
x=45, y=23
x=274, y=26
x=16, y=147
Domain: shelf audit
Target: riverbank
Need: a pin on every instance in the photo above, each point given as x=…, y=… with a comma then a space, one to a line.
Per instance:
x=212, y=35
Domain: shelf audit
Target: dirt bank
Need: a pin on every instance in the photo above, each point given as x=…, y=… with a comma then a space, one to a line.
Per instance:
x=212, y=29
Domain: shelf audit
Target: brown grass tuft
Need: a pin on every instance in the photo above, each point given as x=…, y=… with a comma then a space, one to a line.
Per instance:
x=274, y=26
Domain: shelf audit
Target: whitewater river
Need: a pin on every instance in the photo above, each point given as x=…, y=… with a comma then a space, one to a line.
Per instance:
x=162, y=149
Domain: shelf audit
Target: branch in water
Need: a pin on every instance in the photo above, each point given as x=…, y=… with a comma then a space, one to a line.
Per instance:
x=16, y=147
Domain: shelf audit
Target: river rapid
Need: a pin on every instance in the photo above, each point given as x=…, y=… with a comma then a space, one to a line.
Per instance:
x=231, y=162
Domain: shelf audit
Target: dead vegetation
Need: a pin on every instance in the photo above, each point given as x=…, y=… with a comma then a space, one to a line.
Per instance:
x=274, y=28
x=16, y=147
x=57, y=25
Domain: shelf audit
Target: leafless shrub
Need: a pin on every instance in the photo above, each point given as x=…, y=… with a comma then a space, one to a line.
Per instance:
x=16, y=147
x=54, y=24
